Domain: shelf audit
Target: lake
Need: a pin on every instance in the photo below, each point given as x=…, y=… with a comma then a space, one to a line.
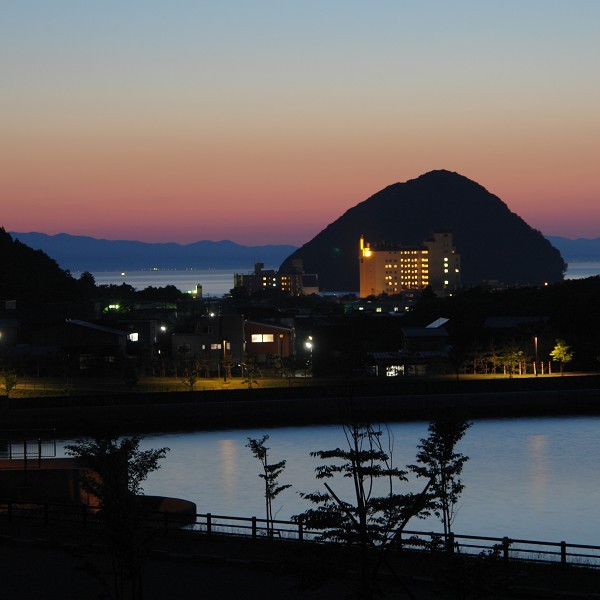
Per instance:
x=536, y=478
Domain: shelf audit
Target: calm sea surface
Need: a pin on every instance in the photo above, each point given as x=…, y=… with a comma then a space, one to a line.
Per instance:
x=579, y=270
x=526, y=478
x=216, y=282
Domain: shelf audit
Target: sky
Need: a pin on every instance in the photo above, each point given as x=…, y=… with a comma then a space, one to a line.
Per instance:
x=264, y=121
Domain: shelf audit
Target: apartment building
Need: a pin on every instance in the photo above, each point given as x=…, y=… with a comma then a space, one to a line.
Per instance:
x=392, y=268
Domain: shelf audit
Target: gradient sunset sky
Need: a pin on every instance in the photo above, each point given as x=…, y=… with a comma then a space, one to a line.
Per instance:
x=264, y=121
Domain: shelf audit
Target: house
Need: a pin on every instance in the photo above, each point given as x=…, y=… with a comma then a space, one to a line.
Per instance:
x=424, y=351
x=88, y=346
x=263, y=339
x=217, y=339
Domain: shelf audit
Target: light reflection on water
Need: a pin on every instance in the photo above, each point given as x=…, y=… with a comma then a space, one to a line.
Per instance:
x=526, y=478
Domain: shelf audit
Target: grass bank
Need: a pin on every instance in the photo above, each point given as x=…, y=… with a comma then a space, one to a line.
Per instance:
x=311, y=402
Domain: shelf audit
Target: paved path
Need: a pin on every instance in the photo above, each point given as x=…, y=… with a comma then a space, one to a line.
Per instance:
x=66, y=563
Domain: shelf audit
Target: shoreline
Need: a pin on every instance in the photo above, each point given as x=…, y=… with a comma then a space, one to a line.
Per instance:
x=321, y=404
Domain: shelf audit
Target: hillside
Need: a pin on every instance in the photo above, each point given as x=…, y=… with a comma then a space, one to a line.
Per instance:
x=81, y=253
x=30, y=275
x=494, y=243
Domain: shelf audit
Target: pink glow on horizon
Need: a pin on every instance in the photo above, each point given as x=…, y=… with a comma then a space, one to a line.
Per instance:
x=192, y=121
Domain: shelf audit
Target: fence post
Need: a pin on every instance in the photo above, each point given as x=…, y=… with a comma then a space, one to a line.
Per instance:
x=300, y=529
x=563, y=554
x=208, y=524
x=505, y=547
x=450, y=543
x=253, y=528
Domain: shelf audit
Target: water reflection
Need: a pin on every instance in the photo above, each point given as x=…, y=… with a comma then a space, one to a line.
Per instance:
x=526, y=478
x=227, y=454
x=538, y=466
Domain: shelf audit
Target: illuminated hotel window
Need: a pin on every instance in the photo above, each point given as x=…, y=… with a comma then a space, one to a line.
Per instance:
x=133, y=337
x=215, y=346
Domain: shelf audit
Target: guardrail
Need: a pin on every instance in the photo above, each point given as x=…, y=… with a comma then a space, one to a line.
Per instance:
x=208, y=524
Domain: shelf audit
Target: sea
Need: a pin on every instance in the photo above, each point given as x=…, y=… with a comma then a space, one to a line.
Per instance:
x=217, y=282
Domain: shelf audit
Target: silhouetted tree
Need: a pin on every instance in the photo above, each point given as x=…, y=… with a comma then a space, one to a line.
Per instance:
x=438, y=461
x=369, y=520
x=117, y=470
x=270, y=475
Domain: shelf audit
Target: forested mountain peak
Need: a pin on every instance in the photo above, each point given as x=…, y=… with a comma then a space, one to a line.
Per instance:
x=494, y=243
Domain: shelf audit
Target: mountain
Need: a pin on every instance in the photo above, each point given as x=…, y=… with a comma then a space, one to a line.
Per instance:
x=494, y=243
x=80, y=253
x=578, y=250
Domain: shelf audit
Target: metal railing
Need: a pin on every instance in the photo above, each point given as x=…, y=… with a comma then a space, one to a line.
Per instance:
x=27, y=444
x=208, y=524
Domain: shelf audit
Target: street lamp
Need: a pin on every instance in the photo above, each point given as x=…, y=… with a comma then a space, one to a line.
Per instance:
x=535, y=345
x=308, y=344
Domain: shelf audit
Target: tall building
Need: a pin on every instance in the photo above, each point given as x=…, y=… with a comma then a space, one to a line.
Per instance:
x=295, y=282
x=392, y=269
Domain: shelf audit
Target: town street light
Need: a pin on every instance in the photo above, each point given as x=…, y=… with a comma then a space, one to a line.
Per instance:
x=535, y=345
x=308, y=344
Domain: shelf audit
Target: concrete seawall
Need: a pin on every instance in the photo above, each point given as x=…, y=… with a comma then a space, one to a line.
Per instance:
x=184, y=411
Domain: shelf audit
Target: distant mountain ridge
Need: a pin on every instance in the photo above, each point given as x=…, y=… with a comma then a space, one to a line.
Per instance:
x=577, y=250
x=82, y=253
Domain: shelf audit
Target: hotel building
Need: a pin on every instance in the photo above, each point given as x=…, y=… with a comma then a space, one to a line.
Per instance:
x=294, y=283
x=392, y=269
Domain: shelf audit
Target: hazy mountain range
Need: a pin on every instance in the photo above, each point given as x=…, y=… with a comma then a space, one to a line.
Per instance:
x=80, y=253
x=578, y=250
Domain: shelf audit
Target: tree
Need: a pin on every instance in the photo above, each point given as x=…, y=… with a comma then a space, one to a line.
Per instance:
x=270, y=474
x=510, y=357
x=117, y=469
x=191, y=376
x=9, y=381
x=562, y=354
x=438, y=461
x=376, y=514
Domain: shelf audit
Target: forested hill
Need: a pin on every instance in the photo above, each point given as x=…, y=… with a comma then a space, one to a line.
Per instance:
x=494, y=243
x=81, y=253
x=30, y=275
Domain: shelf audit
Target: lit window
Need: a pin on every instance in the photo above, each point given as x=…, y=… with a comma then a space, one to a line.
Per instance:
x=133, y=337
x=215, y=346
x=260, y=338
